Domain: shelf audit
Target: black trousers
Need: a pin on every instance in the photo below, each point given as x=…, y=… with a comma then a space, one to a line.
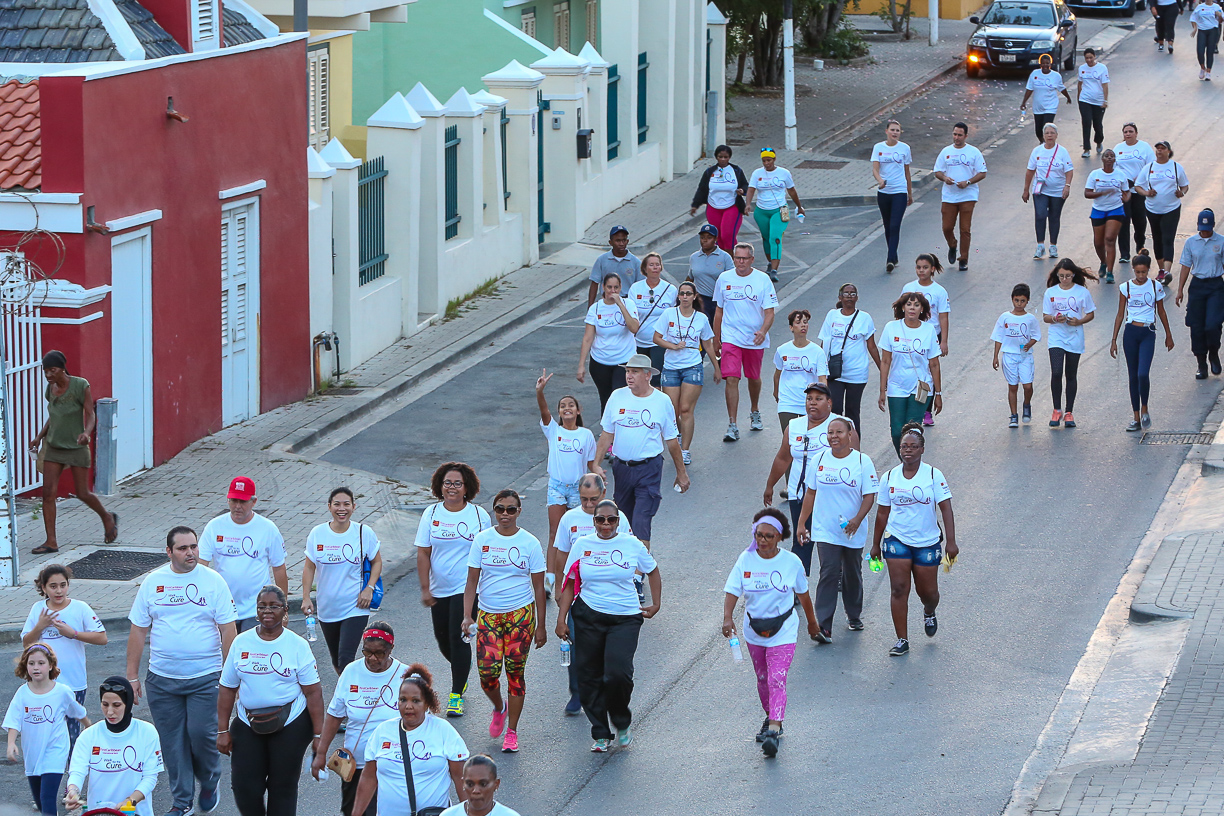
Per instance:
x=1208, y=39
x=848, y=401
x=804, y=551
x=604, y=646
x=1205, y=314
x=1166, y=17
x=1092, y=118
x=447, y=617
x=1040, y=120
x=342, y=639
x=348, y=796
x=607, y=378
x=1136, y=218
x=1164, y=233
x=1062, y=361
x=839, y=567
x=268, y=764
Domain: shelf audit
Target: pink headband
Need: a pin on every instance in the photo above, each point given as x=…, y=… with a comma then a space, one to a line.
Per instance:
x=771, y=521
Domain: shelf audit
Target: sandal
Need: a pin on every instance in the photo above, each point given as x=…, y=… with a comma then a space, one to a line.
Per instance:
x=111, y=539
x=44, y=550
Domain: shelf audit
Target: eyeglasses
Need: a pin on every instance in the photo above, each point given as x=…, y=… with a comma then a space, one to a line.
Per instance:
x=376, y=653
x=269, y=607
x=606, y=519
x=506, y=509
x=449, y=483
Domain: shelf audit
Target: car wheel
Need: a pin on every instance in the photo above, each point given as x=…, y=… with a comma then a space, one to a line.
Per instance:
x=1129, y=11
x=1069, y=62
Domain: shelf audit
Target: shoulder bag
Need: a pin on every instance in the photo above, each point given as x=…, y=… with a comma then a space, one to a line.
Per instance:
x=922, y=391
x=366, y=567
x=835, y=360
x=407, y=755
x=343, y=762
x=1040, y=183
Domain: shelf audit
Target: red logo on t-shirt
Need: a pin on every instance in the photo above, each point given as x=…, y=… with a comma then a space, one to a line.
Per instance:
x=784, y=358
x=161, y=589
x=747, y=574
x=574, y=529
x=437, y=523
x=220, y=538
x=319, y=547
x=586, y=554
x=353, y=689
x=244, y=655
x=485, y=548
x=97, y=750
x=386, y=745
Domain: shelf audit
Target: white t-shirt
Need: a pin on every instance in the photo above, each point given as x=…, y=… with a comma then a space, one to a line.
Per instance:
x=498, y=809
x=337, y=558
x=664, y=298
x=856, y=361
x=577, y=523
x=723, y=186
x=244, y=554
x=1094, y=80
x=449, y=536
x=1141, y=300
x=744, y=300
x=914, y=518
x=912, y=350
x=768, y=587
x=799, y=368
x=1131, y=159
x=1014, y=332
x=117, y=764
x=805, y=441
x=183, y=611
x=1051, y=166
x=893, y=161
x=367, y=700
x=606, y=568
x=506, y=564
x=771, y=186
x=1204, y=16
x=641, y=425
x=269, y=672
x=614, y=344
x=960, y=164
x=1112, y=184
x=1164, y=179
x=569, y=452
x=40, y=719
x=936, y=296
x=69, y=652
x=1046, y=89
x=1074, y=302
x=434, y=745
x=840, y=486
x=691, y=331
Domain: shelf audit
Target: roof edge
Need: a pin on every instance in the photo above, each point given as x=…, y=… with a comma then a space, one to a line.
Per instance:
x=261, y=23
x=126, y=42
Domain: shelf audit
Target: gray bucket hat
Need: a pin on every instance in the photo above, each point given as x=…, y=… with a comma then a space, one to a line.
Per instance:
x=640, y=361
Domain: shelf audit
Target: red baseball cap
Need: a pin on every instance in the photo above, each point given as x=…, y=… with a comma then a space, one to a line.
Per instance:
x=241, y=488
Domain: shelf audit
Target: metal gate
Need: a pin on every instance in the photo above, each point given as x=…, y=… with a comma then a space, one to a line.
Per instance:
x=541, y=105
x=371, y=221
x=21, y=335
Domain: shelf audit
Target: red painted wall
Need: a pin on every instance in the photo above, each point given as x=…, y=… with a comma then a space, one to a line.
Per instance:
x=174, y=16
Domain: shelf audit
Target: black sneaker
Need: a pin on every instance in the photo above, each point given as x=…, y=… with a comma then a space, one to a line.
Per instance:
x=769, y=745
x=930, y=625
x=952, y=254
x=855, y=625
x=900, y=648
x=1201, y=374
x=1028, y=413
x=889, y=267
x=824, y=636
x=963, y=266
x=1013, y=421
x=574, y=707
x=760, y=737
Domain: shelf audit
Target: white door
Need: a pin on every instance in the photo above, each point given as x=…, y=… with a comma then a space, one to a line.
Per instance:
x=239, y=312
x=132, y=350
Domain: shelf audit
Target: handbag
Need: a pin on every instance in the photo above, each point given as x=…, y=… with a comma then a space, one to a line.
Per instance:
x=1040, y=183
x=923, y=389
x=340, y=760
x=366, y=566
x=768, y=627
x=835, y=360
x=784, y=213
x=264, y=721
x=41, y=458
x=404, y=752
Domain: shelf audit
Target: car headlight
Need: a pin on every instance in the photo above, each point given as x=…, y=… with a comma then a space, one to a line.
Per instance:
x=1043, y=45
x=979, y=42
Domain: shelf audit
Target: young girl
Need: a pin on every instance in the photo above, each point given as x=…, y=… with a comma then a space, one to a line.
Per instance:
x=1067, y=306
x=66, y=625
x=926, y=267
x=38, y=711
x=571, y=453
x=1140, y=302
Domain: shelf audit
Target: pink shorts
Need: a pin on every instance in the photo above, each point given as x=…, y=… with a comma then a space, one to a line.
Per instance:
x=735, y=358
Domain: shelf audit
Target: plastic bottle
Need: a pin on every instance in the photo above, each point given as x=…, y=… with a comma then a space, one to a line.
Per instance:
x=566, y=653
x=736, y=651
x=800, y=217
x=312, y=628
x=467, y=635
x=876, y=564
x=842, y=521
x=127, y=807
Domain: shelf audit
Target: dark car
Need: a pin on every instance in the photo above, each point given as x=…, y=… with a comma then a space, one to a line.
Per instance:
x=1015, y=33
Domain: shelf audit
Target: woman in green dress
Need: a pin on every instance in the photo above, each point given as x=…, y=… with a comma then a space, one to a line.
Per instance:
x=65, y=445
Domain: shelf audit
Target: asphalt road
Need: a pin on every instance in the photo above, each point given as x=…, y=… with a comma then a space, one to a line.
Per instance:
x=1047, y=522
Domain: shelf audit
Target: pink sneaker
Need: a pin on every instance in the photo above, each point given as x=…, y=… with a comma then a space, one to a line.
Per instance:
x=927, y=419
x=498, y=724
x=510, y=743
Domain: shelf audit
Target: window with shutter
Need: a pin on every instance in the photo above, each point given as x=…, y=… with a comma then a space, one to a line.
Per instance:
x=561, y=25
x=592, y=23
x=529, y=22
x=318, y=66
x=206, y=24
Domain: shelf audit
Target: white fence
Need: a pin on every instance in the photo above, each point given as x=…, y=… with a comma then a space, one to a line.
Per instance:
x=26, y=410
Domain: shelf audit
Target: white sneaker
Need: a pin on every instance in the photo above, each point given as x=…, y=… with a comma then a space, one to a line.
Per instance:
x=1202, y=73
x=686, y=457
x=754, y=421
x=732, y=433
x=1039, y=251
x=1207, y=76
x=1053, y=251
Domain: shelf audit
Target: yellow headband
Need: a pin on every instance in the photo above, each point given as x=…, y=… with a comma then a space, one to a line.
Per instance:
x=768, y=153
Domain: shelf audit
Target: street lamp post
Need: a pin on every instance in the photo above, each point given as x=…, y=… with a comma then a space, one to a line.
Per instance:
x=788, y=70
x=933, y=17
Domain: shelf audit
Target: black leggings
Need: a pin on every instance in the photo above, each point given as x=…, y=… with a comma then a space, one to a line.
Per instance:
x=1040, y=120
x=271, y=764
x=1136, y=219
x=447, y=617
x=342, y=638
x=348, y=796
x=607, y=378
x=1061, y=359
x=1164, y=233
x=1166, y=17
x=1092, y=118
x=1208, y=39
x=1048, y=209
x=848, y=401
x=892, y=210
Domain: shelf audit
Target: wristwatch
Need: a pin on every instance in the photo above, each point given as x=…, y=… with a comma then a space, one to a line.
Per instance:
x=937, y=393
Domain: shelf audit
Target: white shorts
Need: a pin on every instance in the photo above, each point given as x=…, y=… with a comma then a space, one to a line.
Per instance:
x=1018, y=368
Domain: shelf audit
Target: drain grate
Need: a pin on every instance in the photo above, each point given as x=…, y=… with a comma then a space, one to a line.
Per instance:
x=116, y=565
x=1176, y=438
x=816, y=164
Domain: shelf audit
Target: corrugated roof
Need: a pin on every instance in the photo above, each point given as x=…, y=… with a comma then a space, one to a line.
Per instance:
x=156, y=40
x=59, y=31
x=20, y=136
x=236, y=29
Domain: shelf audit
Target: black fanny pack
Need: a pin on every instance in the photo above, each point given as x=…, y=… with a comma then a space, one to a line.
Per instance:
x=768, y=627
x=268, y=720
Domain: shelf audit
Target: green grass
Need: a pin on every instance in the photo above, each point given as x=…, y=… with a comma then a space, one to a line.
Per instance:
x=453, y=305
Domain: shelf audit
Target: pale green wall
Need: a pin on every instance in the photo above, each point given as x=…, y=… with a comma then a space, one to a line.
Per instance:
x=544, y=21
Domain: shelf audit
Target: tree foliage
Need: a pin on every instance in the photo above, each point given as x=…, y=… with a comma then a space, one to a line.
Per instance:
x=755, y=29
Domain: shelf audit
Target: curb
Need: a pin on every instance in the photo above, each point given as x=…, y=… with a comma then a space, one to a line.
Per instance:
x=1147, y=606
x=1213, y=462
x=1054, y=792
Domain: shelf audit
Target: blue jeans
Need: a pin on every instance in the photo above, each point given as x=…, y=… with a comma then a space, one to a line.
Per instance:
x=185, y=715
x=1048, y=209
x=562, y=493
x=675, y=377
x=1138, y=344
x=892, y=210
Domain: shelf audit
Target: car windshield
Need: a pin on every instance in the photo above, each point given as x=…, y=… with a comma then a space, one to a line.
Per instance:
x=1024, y=14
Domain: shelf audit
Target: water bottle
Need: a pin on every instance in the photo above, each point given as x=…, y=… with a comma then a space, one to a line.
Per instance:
x=876, y=564
x=467, y=634
x=800, y=217
x=736, y=651
x=842, y=521
x=312, y=628
x=566, y=653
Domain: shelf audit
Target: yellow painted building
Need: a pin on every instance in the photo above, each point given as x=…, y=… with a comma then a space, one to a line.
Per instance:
x=948, y=9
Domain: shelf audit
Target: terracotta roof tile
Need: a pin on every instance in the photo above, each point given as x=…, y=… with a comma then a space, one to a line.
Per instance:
x=20, y=136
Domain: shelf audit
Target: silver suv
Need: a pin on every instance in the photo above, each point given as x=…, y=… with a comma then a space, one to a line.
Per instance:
x=1015, y=33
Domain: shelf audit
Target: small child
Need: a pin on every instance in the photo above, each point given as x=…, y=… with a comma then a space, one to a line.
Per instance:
x=1015, y=333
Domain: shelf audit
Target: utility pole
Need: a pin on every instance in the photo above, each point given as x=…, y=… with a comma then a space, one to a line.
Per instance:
x=300, y=16
x=933, y=17
x=788, y=70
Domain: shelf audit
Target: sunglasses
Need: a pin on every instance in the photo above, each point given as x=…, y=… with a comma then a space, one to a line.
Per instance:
x=113, y=688
x=379, y=653
x=506, y=509
x=606, y=519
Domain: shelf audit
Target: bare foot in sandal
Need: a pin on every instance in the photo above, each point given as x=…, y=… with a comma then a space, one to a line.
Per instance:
x=112, y=530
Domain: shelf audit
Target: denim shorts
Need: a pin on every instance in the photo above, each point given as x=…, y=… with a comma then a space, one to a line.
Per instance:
x=923, y=556
x=560, y=492
x=693, y=375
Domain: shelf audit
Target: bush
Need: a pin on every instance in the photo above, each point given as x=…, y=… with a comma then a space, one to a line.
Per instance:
x=844, y=43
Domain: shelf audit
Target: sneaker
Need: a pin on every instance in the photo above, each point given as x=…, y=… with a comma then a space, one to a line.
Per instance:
x=1109, y=278
x=1068, y=420
x=550, y=581
x=760, y=737
x=601, y=746
x=1170, y=49
x=1013, y=421
x=1160, y=47
x=769, y=745
x=824, y=636
x=574, y=707
x=784, y=494
x=498, y=724
x=1056, y=419
x=1125, y=259
x=1087, y=154
x=1202, y=73
x=624, y=738
x=686, y=457
x=952, y=254
x=1027, y=416
x=1053, y=250
x=1102, y=270
x=754, y=421
x=1207, y=78
x=1100, y=148
x=1145, y=420
x=1039, y=251
x=962, y=266
x=454, y=705
x=889, y=267
x=641, y=591
x=210, y=799
x=510, y=743
x=178, y=811
x=930, y=625
x=928, y=419
x=1134, y=425
x=773, y=276
x=855, y=625
x=732, y=433
x=899, y=648
x=1201, y=374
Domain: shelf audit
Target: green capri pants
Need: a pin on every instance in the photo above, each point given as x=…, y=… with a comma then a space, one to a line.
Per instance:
x=771, y=225
x=902, y=410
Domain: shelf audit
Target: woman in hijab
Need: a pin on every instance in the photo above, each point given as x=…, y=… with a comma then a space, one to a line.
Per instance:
x=117, y=759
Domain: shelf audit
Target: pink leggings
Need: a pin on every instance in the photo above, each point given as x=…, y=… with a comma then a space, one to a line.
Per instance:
x=728, y=223
x=771, y=664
